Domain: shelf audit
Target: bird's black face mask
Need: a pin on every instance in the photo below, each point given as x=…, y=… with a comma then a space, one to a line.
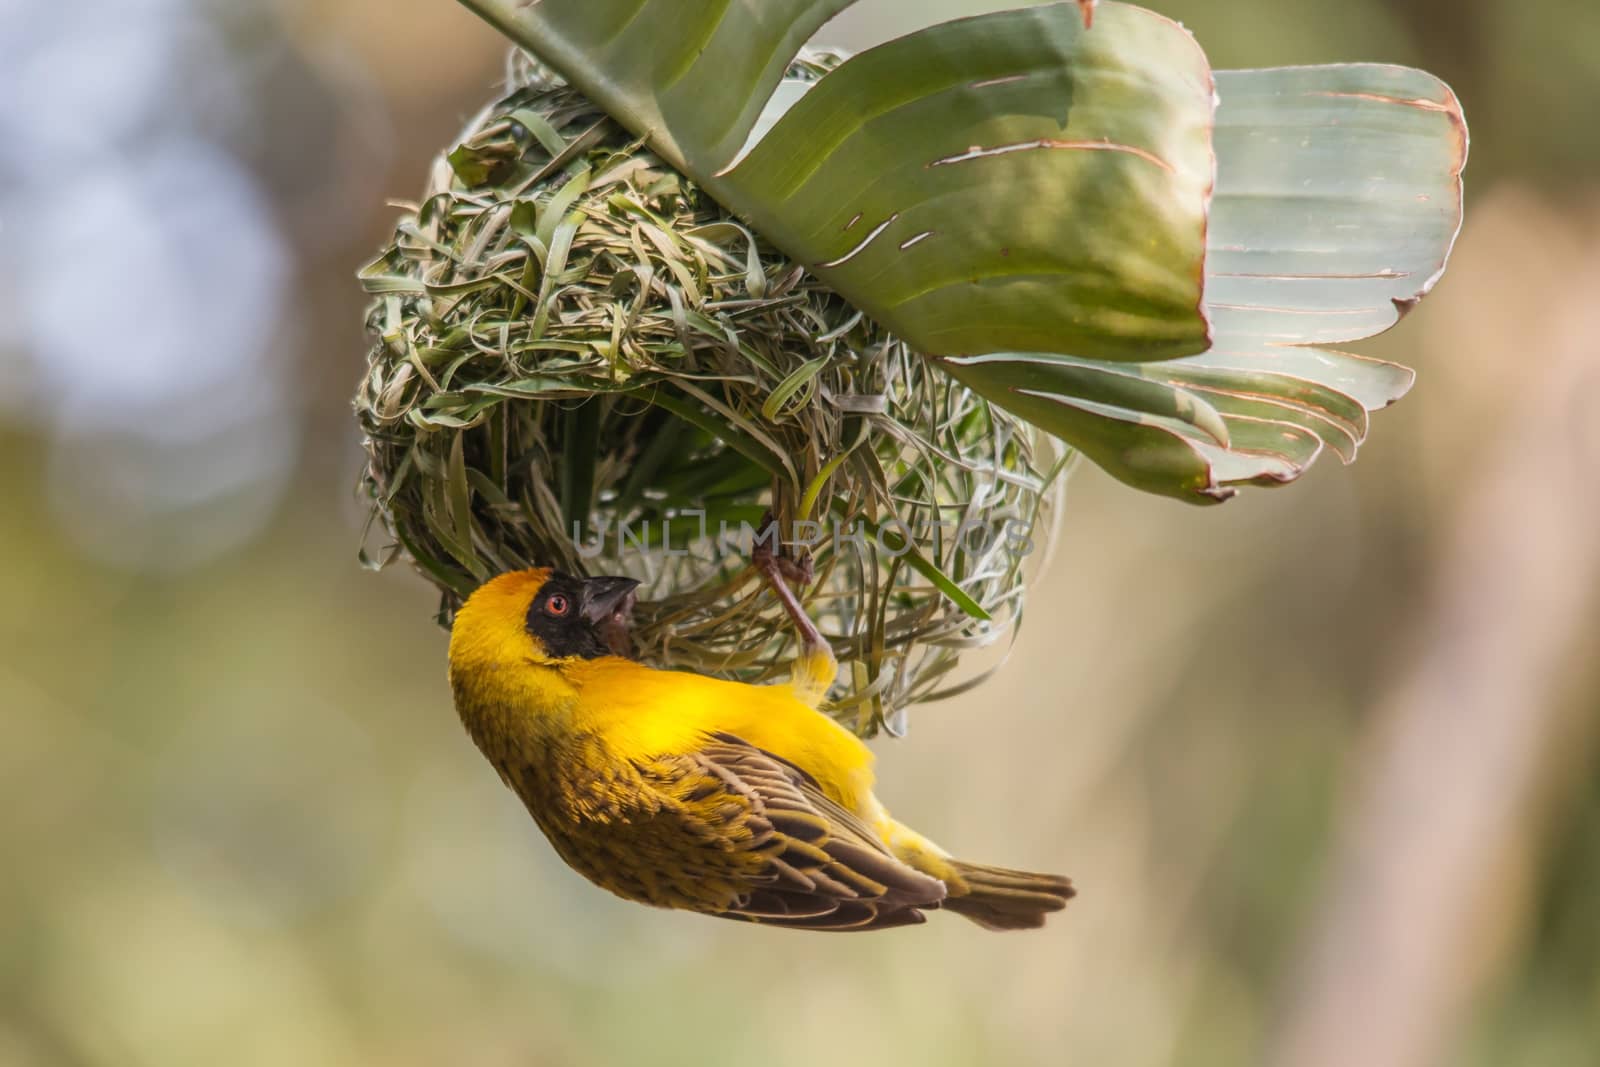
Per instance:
x=584, y=617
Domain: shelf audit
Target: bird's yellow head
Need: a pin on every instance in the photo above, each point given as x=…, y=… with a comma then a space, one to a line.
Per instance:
x=542, y=616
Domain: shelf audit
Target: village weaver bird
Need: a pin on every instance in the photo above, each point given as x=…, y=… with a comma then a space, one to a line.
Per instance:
x=684, y=791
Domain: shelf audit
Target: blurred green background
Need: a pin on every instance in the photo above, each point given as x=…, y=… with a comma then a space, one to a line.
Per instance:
x=1322, y=761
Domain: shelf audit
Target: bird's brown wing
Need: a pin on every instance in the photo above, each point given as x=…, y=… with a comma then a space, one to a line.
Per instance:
x=784, y=853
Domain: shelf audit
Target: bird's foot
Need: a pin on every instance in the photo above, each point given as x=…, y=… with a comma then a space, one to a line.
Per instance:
x=815, y=667
x=779, y=570
x=769, y=558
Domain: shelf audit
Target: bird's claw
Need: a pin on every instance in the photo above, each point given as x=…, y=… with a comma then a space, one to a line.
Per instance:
x=815, y=666
x=768, y=555
x=799, y=570
x=779, y=570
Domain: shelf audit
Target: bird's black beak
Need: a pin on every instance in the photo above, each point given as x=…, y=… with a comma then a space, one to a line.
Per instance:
x=605, y=597
x=608, y=607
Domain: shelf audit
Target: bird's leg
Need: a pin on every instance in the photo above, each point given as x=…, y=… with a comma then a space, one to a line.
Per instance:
x=769, y=560
x=815, y=668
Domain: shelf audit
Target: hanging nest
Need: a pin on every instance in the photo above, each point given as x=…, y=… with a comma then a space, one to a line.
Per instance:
x=581, y=361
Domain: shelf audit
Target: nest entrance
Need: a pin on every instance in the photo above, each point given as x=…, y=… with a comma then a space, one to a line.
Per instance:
x=581, y=361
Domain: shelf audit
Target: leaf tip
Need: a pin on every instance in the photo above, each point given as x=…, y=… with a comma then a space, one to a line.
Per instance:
x=1404, y=304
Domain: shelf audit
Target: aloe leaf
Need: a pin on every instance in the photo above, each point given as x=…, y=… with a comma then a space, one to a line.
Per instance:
x=1009, y=181
x=690, y=78
x=1338, y=199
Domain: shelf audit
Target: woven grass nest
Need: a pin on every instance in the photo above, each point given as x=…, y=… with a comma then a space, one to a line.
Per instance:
x=568, y=336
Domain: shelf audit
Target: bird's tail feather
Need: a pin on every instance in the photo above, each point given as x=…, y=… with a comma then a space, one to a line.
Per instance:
x=1000, y=899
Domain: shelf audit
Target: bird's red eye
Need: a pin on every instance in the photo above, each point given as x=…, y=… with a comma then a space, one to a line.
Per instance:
x=557, y=605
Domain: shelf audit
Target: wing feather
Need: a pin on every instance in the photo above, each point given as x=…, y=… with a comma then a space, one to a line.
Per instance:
x=797, y=858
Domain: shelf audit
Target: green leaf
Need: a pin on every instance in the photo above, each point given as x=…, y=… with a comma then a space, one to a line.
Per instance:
x=1338, y=199
x=691, y=78
x=723, y=429
x=1009, y=181
x=920, y=563
x=786, y=389
x=580, y=443
x=486, y=165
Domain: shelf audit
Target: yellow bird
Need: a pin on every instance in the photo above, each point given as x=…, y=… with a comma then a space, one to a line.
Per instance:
x=682, y=791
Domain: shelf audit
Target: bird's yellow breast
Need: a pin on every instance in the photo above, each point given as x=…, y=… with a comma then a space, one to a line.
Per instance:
x=642, y=713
